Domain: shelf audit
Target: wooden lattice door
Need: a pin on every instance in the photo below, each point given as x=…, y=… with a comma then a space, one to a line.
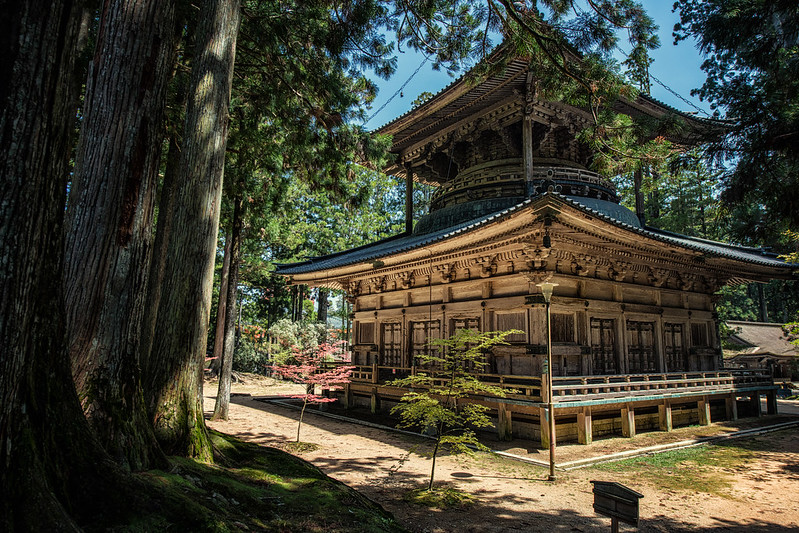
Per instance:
x=641, y=347
x=422, y=333
x=391, y=352
x=603, y=345
x=474, y=325
x=674, y=348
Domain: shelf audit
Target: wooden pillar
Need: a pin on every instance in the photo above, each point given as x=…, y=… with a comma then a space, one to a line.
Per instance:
x=527, y=129
x=347, y=396
x=754, y=401
x=731, y=403
x=703, y=406
x=771, y=402
x=504, y=422
x=585, y=426
x=543, y=421
x=664, y=416
x=660, y=346
x=408, y=198
x=621, y=334
x=375, y=401
x=628, y=421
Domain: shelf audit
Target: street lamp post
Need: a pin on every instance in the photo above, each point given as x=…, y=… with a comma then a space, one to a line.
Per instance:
x=546, y=290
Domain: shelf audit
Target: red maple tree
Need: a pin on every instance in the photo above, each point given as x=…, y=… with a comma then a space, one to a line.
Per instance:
x=312, y=367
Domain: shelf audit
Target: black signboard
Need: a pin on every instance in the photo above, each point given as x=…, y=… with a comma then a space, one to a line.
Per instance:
x=616, y=501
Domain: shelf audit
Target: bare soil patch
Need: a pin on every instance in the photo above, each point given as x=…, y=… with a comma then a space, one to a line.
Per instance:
x=758, y=494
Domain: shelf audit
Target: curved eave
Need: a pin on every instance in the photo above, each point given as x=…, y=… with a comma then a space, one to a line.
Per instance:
x=704, y=248
x=409, y=248
x=456, y=101
x=388, y=252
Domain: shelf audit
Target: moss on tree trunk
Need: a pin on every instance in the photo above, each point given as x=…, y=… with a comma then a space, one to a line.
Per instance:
x=174, y=366
x=55, y=476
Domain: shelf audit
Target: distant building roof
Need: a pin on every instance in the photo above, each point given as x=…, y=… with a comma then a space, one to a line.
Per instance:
x=761, y=338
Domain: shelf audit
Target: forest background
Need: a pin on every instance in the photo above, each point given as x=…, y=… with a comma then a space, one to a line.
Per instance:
x=133, y=131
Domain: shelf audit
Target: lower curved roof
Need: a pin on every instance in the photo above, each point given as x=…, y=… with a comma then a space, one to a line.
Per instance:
x=605, y=211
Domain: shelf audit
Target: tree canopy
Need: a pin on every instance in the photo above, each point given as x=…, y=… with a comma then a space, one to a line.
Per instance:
x=751, y=53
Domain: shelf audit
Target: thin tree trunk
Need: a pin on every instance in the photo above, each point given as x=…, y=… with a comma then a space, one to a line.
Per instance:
x=221, y=309
x=54, y=473
x=638, y=185
x=762, y=315
x=175, y=366
x=302, y=414
x=655, y=198
x=109, y=222
x=324, y=303
x=300, y=301
x=222, y=405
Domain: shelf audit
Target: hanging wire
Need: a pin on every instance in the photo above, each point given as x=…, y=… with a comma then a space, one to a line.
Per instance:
x=669, y=89
x=415, y=72
x=678, y=95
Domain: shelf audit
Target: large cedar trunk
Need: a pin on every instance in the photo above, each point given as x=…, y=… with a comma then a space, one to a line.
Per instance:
x=226, y=367
x=53, y=472
x=109, y=222
x=174, y=369
x=166, y=207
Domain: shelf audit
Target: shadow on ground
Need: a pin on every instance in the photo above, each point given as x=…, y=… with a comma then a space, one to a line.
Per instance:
x=531, y=507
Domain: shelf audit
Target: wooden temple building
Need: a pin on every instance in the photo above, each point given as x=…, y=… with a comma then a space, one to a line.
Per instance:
x=635, y=342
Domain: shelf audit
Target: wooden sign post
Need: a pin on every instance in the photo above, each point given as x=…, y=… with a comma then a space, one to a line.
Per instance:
x=616, y=501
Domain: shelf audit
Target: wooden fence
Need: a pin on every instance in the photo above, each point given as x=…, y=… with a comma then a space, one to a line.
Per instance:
x=573, y=388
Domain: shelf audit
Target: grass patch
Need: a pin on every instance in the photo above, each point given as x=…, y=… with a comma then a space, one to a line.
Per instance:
x=440, y=498
x=250, y=488
x=301, y=447
x=710, y=469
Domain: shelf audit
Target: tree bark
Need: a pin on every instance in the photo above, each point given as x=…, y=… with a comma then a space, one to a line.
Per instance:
x=324, y=303
x=174, y=369
x=655, y=197
x=638, y=184
x=221, y=309
x=109, y=222
x=762, y=314
x=222, y=405
x=166, y=207
x=53, y=472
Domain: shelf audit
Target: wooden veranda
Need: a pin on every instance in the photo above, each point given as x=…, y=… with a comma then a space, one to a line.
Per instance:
x=589, y=406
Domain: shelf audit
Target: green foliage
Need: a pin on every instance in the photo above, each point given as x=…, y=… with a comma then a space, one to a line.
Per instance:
x=288, y=335
x=623, y=145
x=435, y=405
x=736, y=304
x=423, y=97
x=793, y=238
x=791, y=330
x=251, y=354
x=752, y=66
x=570, y=46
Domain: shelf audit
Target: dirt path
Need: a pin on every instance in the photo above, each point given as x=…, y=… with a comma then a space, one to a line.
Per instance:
x=513, y=496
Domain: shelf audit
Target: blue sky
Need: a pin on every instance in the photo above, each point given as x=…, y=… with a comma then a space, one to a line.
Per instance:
x=677, y=67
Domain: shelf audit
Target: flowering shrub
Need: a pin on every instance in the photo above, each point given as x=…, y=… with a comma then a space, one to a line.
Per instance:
x=311, y=367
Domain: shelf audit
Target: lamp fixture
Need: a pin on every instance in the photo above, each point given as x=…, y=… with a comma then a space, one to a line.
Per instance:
x=547, y=288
